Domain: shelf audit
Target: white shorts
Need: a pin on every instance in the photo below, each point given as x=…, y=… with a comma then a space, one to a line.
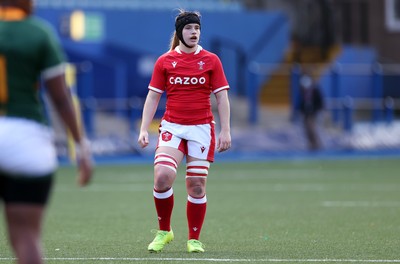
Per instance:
x=26, y=148
x=197, y=141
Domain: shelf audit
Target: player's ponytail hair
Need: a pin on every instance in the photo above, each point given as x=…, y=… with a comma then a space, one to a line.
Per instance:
x=174, y=42
x=25, y=5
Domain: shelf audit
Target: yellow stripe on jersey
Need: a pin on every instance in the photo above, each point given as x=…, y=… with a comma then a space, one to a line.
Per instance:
x=3, y=81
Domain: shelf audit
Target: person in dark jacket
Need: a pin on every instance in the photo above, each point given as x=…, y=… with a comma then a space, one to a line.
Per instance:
x=310, y=104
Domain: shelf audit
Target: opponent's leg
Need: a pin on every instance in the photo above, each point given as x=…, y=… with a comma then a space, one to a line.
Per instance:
x=25, y=202
x=24, y=227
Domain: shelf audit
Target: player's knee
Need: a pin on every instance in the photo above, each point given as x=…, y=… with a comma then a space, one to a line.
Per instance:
x=196, y=176
x=197, y=190
x=163, y=182
x=163, y=172
x=165, y=168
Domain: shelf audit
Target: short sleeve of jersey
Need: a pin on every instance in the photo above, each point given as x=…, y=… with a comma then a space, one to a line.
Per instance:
x=218, y=78
x=157, y=82
x=52, y=53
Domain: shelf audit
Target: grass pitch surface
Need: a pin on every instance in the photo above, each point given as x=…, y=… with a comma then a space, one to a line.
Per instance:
x=271, y=212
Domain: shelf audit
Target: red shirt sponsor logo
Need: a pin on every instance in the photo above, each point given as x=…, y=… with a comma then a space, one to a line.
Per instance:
x=187, y=80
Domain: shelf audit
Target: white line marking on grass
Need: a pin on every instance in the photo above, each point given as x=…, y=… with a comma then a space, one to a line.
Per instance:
x=224, y=260
x=360, y=204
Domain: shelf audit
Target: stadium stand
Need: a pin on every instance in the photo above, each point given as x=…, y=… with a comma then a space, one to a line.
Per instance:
x=113, y=71
x=208, y=5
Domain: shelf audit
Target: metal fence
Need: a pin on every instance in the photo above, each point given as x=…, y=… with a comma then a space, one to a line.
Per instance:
x=347, y=88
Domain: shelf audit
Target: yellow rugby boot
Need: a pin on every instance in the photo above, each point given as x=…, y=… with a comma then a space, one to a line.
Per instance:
x=162, y=238
x=194, y=245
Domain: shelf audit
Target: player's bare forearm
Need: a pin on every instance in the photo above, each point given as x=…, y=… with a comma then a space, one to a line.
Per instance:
x=224, y=110
x=224, y=139
x=62, y=101
x=149, y=110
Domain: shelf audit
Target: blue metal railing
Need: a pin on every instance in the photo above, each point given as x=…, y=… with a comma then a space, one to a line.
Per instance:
x=338, y=97
x=341, y=104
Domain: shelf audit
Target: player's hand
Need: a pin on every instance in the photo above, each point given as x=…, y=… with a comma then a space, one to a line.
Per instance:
x=224, y=141
x=85, y=163
x=143, y=139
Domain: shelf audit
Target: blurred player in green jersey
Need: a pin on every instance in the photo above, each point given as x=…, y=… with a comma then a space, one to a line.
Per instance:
x=29, y=51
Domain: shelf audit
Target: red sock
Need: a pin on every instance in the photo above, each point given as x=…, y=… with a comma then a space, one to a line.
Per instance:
x=164, y=202
x=196, y=212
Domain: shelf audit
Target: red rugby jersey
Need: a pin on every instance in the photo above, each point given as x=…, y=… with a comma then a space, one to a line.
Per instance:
x=188, y=80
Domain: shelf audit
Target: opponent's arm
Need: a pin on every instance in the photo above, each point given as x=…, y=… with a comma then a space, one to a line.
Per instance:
x=62, y=101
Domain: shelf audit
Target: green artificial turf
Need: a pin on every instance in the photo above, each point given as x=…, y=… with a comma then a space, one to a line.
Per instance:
x=276, y=212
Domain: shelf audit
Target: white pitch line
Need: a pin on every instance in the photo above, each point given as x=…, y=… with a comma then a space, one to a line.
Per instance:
x=225, y=260
x=360, y=204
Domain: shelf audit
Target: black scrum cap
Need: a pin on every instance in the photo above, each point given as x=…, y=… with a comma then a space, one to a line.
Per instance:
x=182, y=20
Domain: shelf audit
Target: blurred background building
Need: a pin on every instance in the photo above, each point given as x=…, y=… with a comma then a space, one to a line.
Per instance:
x=349, y=46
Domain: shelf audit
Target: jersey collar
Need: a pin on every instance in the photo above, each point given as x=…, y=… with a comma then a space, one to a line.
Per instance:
x=199, y=48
